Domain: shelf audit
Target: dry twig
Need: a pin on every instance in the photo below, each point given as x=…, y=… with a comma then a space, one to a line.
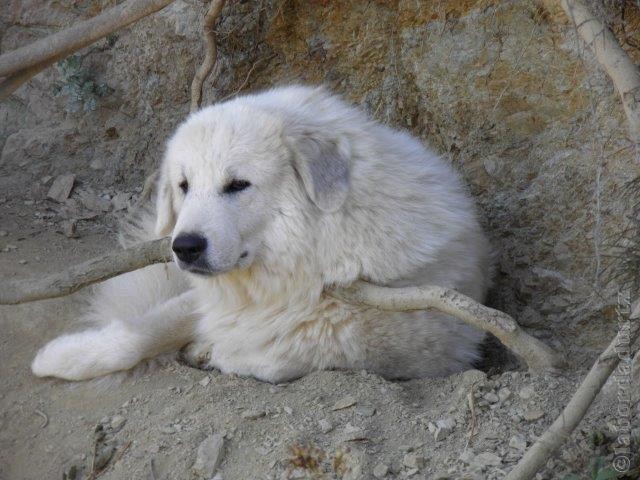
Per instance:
x=211, y=52
x=23, y=63
x=537, y=456
x=612, y=58
x=529, y=349
x=92, y=271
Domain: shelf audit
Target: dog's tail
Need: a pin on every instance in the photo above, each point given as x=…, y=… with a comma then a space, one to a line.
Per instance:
x=134, y=316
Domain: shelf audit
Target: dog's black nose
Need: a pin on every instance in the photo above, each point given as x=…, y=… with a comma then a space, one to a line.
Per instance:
x=189, y=246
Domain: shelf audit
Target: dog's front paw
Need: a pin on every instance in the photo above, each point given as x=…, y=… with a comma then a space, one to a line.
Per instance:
x=197, y=355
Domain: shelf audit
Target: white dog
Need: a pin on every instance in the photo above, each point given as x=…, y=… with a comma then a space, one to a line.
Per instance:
x=271, y=198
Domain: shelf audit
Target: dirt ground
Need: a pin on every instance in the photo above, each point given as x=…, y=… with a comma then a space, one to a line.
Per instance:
x=347, y=425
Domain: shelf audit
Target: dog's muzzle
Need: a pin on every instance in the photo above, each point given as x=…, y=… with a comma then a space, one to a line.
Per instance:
x=188, y=247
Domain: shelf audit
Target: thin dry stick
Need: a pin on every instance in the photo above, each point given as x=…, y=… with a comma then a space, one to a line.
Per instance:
x=612, y=58
x=529, y=349
x=537, y=456
x=211, y=53
x=67, y=41
x=92, y=271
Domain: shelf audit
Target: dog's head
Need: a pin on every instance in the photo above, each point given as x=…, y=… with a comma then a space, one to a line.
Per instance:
x=226, y=174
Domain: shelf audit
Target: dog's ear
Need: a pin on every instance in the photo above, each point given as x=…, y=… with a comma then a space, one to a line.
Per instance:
x=165, y=213
x=321, y=158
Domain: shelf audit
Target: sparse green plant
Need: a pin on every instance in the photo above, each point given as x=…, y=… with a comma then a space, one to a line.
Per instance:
x=78, y=85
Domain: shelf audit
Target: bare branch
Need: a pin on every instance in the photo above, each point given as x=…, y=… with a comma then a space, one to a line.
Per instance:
x=211, y=53
x=537, y=456
x=535, y=354
x=92, y=271
x=21, y=64
x=612, y=58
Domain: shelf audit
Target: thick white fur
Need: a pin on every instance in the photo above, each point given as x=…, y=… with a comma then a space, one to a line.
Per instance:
x=334, y=198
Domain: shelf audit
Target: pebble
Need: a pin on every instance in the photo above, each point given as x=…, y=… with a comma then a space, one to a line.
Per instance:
x=61, y=187
x=22, y=262
x=253, y=414
x=352, y=433
x=343, y=403
x=491, y=397
x=518, y=442
x=532, y=414
x=365, y=410
x=117, y=422
x=486, y=459
x=441, y=428
x=411, y=460
x=209, y=456
x=504, y=394
x=526, y=393
x=380, y=470
x=325, y=425
x=205, y=381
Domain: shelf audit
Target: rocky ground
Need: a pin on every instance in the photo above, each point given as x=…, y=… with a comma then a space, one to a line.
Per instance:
x=173, y=422
x=501, y=89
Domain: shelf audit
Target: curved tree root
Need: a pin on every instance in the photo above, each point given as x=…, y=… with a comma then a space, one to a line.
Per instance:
x=535, y=354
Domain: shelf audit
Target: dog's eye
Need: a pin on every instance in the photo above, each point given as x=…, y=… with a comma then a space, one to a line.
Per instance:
x=184, y=186
x=236, y=185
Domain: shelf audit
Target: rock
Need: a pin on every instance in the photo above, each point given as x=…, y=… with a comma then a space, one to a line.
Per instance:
x=352, y=433
x=441, y=428
x=253, y=414
x=365, y=410
x=69, y=228
x=504, y=394
x=209, y=456
x=526, y=392
x=93, y=202
x=485, y=459
x=467, y=456
x=22, y=262
x=325, y=425
x=491, y=397
x=120, y=201
x=518, y=442
x=343, y=403
x=205, y=381
x=61, y=187
x=288, y=410
x=532, y=414
x=411, y=460
x=117, y=422
x=104, y=452
x=380, y=470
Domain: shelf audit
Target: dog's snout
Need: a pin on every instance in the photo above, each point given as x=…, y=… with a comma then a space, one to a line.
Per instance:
x=189, y=246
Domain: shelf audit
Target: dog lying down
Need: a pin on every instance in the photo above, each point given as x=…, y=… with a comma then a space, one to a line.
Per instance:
x=269, y=199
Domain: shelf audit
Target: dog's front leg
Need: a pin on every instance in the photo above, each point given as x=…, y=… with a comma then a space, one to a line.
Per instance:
x=120, y=344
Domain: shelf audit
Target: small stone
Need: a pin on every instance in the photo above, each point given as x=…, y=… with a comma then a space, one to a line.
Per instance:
x=95, y=203
x=44, y=180
x=343, y=403
x=288, y=410
x=486, y=459
x=532, y=414
x=526, y=392
x=9, y=248
x=205, y=381
x=69, y=228
x=411, y=472
x=325, y=425
x=61, y=187
x=22, y=262
x=352, y=433
x=209, y=456
x=253, y=414
x=380, y=470
x=365, y=410
x=411, y=460
x=504, y=394
x=120, y=201
x=518, y=442
x=467, y=456
x=491, y=397
x=117, y=422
